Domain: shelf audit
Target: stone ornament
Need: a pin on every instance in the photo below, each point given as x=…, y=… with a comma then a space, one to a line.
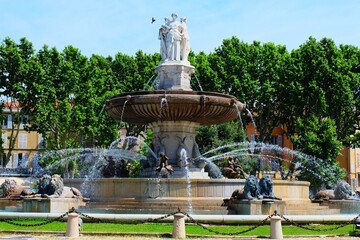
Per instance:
x=174, y=39
x=341, y=191
x=48, y=187
x=256, y=190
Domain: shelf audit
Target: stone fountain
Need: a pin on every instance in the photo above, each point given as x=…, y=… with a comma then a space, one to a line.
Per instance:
x=174, y=111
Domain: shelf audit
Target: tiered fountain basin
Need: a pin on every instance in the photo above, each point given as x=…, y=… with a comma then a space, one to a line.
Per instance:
x=146, y=107
x=159, y=195
x=174, y=116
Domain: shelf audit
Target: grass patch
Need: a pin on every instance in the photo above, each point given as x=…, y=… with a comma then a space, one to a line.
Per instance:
x=264, y=230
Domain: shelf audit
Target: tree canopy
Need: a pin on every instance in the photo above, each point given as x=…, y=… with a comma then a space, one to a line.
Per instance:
x=63, y=92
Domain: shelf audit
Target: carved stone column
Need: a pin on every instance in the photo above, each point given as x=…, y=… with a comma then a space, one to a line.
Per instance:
x=170, y=135
x=174, y=75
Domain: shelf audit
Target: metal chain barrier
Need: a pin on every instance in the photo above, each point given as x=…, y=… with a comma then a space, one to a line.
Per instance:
x=261, y=223
x=152, y=220
x=306, y=227
x=36, y=224
x=191, y=219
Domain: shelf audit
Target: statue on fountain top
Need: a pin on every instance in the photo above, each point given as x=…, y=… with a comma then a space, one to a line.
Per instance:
x=164, y=168
x=174, y=39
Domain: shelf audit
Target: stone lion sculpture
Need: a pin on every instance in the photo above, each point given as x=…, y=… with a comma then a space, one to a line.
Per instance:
x=48, y=187
x=326, y=194
x=11, y=189
x=53, y=186
x=266, y=188
x=341, y=191
x=250, y=191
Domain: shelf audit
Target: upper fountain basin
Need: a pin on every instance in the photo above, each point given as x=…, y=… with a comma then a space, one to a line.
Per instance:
x=146, y=107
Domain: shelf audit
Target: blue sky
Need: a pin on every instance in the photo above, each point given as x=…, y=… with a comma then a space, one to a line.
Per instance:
x=107, y=27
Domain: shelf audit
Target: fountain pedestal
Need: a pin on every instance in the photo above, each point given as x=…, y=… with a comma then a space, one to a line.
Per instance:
x=51, y=205
x=173, y=137
x=174, y=75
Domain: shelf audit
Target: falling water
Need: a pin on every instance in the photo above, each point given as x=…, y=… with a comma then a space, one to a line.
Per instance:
x=240, y=121
x=251, y=117
x=263, y=151
x=163, y=107
x=147, y=83
x=155, y=84
x=188, y=185
x=123, y=109
x=198, y=83
x=101, y=111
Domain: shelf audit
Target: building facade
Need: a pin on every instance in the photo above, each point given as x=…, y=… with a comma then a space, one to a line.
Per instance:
x=25, y=146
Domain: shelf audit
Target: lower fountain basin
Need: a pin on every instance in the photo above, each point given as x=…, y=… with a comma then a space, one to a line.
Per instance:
x=200, y=196
x=114, y=188
x=146, y=107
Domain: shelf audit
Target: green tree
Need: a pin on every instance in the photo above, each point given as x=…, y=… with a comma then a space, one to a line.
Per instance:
x=213, y=136
x=17, y=72
x=322, y=81
x=59, y=113
x=205, y=75
x=317, y=137
x=252, y=73
x=100, y=129
x=267, y=69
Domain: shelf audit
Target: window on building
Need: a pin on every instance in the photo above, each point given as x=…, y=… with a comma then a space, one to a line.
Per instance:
x=4, y=123
x=41, y=142
x=2, y=158
x=15, y=161
x=276, y=140
x=25, y=120
x=252, y=138
x=20, y=156
x=22, y=141
x=9, y=121
x=4, y=140
x=279, y=141
x=24, y=158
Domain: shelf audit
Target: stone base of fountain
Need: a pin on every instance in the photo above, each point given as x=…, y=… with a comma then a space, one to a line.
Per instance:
x=199, y=196
x=345, y=206
x=285, y=207
x=52, y=205
x=46, y=205
x=256, y=207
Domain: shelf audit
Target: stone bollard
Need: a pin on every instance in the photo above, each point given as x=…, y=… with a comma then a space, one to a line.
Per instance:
x=72, y=227
x=179, y=226
x=275, y=228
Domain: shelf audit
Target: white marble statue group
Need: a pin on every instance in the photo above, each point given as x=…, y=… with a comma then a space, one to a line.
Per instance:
x=174, y=39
